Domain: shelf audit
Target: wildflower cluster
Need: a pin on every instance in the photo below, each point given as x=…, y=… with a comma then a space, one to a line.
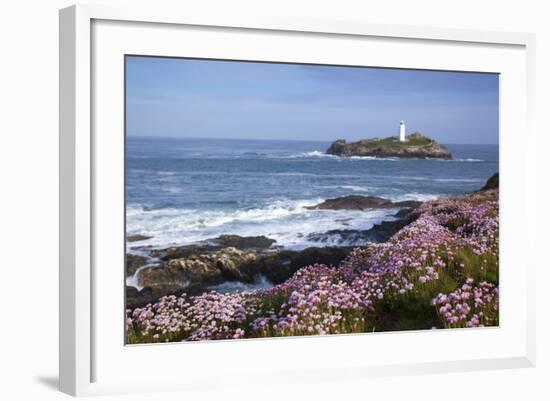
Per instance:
x=469, y=306
x=320, y=302
x=450, y=248
x=166, y=320
x=210, y=316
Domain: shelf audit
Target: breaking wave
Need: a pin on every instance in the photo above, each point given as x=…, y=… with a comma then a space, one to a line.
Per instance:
x=288, y=222
x=467, y=160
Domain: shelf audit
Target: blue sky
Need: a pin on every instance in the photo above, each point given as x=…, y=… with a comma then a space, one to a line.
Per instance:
x=173, y=97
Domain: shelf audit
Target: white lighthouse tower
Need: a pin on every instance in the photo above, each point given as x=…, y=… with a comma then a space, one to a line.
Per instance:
x=402, y=131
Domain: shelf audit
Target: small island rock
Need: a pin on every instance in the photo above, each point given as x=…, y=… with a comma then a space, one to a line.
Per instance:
x=416, y=146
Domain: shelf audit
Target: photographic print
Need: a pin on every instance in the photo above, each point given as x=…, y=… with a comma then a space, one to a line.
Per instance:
x=282, y=199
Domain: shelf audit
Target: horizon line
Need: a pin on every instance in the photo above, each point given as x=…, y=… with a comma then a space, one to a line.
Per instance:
x=276, y=140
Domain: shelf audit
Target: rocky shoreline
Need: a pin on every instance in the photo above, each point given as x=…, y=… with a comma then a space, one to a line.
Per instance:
x=439, y=270
x=416, y=146
x=193, y=269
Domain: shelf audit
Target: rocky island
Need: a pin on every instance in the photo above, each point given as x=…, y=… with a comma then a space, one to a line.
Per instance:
x=415, y=146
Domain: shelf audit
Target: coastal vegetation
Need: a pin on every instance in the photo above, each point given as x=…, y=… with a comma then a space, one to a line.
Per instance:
x=438, y=270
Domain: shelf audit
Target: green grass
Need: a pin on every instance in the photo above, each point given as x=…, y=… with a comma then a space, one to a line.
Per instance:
x=395, y=144
x=478, y=267
x=412, y=310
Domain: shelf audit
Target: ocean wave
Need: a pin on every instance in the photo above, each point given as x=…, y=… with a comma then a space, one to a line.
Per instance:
x=417, y=178
x=416, y=196
x=459, y=180
x=391, y=159
x=213, y=218
x=319, y=154
x=312, y=154
x=294, y=174
x=466, y=160
x=172, y=190
x=254, y=154
x=356, y=188
x=315, y=154
x=288, y=222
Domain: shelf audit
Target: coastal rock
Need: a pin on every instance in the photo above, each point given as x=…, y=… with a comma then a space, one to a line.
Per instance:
x=380, y=232
x=492, y=183
x=134, y=262
x=195, y=273
x=185, y=251
x=383, y=231
x=138, y=298
x=199, y=269
x=416, y=146
x=229, y=260
x=277, y=267
x=359, y=202
x=137, y=237
x=212, y=245
x=259, y=242
x=339, y=147
x=132, y=297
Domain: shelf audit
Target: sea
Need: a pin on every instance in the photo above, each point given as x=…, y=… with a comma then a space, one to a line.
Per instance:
x=182, y=191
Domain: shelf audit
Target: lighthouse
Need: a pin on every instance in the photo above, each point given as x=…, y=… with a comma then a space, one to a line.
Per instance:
x=402, y=131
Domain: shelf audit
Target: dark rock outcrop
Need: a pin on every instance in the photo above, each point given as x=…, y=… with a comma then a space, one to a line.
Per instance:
x=212, y=245
x=416, y=146
x=385, y=230
x=277, y=267
x=199, y=269
x=134, y=262
x=359, y=202
x=138, y=298
x=339, y=148
x=380, y=232
x=260, y=242
x=137, y=237
x=492, y=183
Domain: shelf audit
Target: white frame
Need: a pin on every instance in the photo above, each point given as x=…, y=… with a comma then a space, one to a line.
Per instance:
x=76, y=170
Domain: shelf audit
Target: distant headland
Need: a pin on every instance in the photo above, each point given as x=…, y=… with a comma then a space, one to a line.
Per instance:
x=413, y=146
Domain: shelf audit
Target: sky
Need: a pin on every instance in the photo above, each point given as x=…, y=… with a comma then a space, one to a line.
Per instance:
x=174, y=97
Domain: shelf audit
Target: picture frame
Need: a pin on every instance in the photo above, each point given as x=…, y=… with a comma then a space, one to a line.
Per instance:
x=86, y=159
